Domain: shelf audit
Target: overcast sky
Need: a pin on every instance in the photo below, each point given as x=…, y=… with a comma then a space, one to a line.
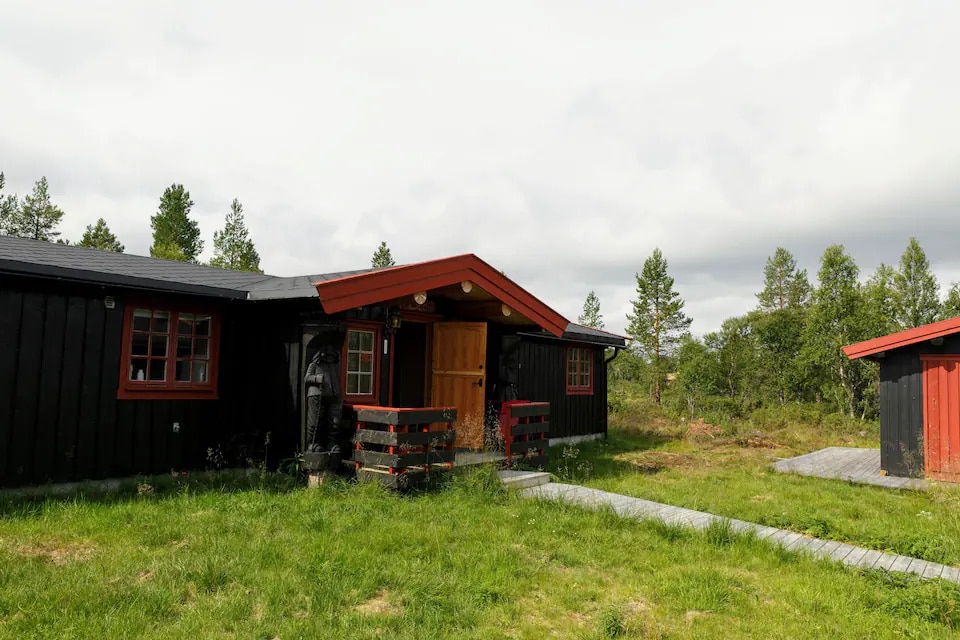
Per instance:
x=559, y=141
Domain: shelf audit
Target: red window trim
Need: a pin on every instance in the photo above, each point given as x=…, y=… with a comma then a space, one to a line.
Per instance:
x=169, y=389
x=373, y=398
x=578, y=390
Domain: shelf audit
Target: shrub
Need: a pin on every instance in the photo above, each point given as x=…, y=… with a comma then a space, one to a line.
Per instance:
x=611, y=622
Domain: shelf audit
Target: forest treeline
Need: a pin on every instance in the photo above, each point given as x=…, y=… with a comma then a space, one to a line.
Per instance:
x=788, y=347
x=176, y=236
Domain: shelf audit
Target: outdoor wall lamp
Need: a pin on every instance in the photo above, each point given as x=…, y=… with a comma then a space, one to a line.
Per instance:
x=420, y=297
x=505, y=310
x=467, y=286
x=393, y=318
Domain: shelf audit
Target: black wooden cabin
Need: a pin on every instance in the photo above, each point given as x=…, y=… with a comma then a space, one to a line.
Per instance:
x=919, y=399
x=114, y=365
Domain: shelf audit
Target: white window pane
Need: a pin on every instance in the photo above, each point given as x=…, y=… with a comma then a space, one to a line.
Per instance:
x=353, y=383
x=141, y=320
x=353, y=340
x=199, y=371
x=366, y=383
x=158, y=370
x=366, y=341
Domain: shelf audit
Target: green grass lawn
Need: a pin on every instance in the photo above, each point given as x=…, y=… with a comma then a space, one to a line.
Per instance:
x=728, y=473
x=469, y=561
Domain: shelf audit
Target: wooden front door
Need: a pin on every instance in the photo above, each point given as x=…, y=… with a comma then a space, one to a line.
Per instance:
x=941, y=417
x=458, y=376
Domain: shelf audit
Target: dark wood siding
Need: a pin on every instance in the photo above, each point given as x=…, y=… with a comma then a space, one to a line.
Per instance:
x=901, y=413
x=59, y=371
x=543, y=365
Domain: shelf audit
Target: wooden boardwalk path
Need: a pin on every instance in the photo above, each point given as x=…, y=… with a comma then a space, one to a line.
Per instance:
x=639, y=509
x=847, y=463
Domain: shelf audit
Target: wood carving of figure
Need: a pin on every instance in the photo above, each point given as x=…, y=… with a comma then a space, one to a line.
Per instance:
x=324, y=400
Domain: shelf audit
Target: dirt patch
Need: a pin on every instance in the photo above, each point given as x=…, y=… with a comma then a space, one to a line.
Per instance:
x=58, y=553
x=692, y=615
x=702, y=430
x=379, y=605
x=654, y=461
x=145, y=576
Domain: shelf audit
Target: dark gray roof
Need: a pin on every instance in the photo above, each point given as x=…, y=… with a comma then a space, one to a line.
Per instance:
x=576, y=331
x=79, y=264
x=276, y=288
x=579, y=333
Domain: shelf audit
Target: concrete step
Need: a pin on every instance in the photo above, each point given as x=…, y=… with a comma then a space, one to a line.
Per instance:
x=523, y=479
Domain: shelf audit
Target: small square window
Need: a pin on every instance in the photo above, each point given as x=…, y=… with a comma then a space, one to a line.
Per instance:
x=360, y=362
x=579, y=371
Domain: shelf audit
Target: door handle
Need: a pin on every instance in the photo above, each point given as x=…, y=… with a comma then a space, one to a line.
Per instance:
x=479, y=383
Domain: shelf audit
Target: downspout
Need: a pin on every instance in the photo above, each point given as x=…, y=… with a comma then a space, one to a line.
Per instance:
x=616, y=352
x=606, y=373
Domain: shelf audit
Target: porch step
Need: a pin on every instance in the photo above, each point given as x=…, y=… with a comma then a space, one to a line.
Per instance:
x=523, y=479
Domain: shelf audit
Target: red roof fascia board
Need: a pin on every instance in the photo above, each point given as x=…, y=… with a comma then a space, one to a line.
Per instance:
x=369, y=288
x=903, y=338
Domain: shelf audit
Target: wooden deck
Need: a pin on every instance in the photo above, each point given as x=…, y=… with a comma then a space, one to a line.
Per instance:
x=847, y=463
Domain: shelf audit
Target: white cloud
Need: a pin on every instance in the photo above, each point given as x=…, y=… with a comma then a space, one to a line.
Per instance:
x=559, y=141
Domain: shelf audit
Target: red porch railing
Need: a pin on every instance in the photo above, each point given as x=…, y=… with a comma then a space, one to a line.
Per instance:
x=398, y=448
x=525, y=430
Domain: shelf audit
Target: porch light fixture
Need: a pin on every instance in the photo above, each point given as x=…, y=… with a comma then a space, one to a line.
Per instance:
x=420, y=297
x=393, y=319
x=505, y=310
x=467, y=286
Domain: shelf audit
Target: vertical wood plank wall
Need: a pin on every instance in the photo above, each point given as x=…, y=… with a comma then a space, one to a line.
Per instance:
x=543, y=366
x=60, y=418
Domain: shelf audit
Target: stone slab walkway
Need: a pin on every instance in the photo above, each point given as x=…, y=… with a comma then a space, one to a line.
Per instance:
x=847, y=463
x=639, y=509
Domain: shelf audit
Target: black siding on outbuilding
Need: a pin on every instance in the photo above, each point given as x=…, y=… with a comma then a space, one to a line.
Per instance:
x=543, y=366
x=59, y=371
x=901, y=406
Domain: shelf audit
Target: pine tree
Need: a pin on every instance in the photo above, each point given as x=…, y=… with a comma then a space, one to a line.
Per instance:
x=951, y=306
x=591, y=316
x=232, y=247
x=99, y=237
x=382, y=257
x=175, y=235
x=37, y=217
x=836, y=319
x=784, y=286
x=917, y=291
x=657, y=323
x=9, y=208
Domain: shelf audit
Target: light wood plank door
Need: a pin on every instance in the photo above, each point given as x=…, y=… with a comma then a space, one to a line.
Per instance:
x=459, y=378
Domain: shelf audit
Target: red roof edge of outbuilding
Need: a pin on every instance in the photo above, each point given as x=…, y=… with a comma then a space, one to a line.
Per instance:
x=903, y=338
x=377, y=286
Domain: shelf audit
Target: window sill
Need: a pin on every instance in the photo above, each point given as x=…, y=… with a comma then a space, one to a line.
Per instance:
x=166, y=393
x=579, y=392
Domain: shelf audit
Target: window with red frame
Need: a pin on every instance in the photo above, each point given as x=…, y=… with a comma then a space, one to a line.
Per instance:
x=168, y=353
x=579, y=370
x=360, y=362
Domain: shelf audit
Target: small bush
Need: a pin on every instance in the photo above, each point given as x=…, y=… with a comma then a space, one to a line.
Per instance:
x=720, y=533
x=611, y=622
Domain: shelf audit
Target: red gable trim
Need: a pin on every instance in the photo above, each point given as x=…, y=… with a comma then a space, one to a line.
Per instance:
x=372, y=287
x=903, y=338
